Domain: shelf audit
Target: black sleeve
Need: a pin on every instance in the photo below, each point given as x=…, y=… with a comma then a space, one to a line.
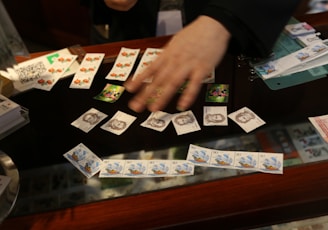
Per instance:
x=254, y=24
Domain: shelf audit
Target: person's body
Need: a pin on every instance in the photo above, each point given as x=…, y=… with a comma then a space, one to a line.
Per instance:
x=121, y=21
x=212, y=27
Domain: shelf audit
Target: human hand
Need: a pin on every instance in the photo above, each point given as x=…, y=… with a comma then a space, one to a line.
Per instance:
x=189, y=56
x=121, y=5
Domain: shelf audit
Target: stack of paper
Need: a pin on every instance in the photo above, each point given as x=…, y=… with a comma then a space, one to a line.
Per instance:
x=299, y=56
x=12, y=116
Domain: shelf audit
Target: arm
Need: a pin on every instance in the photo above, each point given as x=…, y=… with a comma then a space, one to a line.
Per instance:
x=255, y=24
x=198, y=48
x=192, y=45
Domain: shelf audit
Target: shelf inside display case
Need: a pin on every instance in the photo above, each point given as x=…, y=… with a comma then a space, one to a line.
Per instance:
x=63, y=186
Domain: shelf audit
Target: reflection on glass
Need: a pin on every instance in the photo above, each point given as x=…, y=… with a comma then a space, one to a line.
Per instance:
x=11, y=44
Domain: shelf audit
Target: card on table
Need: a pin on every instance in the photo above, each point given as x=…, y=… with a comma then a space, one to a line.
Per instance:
x=246, y=119
x=215, y=116
x=89, y=66
x=119, y=123
x=185, y=122
x=84, y=160
x=157, y=120
x=89, y=120
x=54, y=71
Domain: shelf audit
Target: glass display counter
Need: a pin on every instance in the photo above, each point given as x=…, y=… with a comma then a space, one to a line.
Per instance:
x=54, y=195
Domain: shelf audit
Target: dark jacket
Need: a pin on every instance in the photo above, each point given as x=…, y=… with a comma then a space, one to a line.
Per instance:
x=254, y=24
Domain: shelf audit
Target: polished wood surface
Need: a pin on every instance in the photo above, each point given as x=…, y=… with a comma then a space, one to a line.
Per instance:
x=241, y=202
x=235, y=203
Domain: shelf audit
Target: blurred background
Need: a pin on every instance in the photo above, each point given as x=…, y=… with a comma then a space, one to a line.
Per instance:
x=51, y=25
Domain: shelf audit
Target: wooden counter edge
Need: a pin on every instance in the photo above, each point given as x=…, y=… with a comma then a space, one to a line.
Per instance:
x=301, y=192
x=111, y=50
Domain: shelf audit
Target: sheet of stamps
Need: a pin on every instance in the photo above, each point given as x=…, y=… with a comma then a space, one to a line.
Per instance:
x=89, y=66
x=123, y=64
x=119, y=123
x=278, y=67
x=243, y=160
x=185, y=122
x=84, y=160
x=89, y=120
x=157, y=121
x=54, y=71
x=308, y=142
x=147, y=58
x=26, y=73
x=215, y=116
x=246, y=119
x=146, y=168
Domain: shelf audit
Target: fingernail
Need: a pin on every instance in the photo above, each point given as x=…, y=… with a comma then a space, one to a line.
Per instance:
x=127, y=87
x=136, y=107
x=180, y=108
